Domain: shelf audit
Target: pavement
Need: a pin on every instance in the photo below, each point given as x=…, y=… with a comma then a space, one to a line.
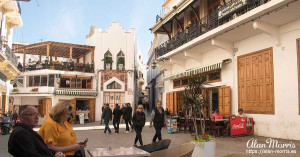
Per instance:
x=225, y=147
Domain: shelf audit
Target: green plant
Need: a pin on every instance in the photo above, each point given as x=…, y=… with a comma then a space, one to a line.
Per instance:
x=108, y=60
x=15, y=90
x=121, y=60
x=34, y=90
x=76, y=68
x=195, y=99
x=199, y=139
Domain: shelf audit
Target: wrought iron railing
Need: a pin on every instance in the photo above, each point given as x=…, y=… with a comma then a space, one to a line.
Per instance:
x=79, y=92
x=11, y=56
x=216, y=18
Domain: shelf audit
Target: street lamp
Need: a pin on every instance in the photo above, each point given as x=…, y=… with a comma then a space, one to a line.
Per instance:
x=153, y=65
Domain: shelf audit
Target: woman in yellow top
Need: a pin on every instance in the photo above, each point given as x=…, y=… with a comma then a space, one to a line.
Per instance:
x=58, y=133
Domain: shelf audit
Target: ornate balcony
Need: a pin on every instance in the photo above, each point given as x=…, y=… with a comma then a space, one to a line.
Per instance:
x=216, y=18
x=77, y=92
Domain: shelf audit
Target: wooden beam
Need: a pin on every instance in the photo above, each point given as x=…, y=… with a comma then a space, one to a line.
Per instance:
x=55, y=55
x=40, y=58
x=194, y=11
x=48, y=50
x=92, y=55
x=24, y=58
x=71, y=52
x=83, y=59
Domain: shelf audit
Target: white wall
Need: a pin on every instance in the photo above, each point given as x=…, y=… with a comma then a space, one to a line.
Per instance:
x=114, y=39
x=285, y=123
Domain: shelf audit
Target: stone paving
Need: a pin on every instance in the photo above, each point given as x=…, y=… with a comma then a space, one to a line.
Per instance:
x=225, y=147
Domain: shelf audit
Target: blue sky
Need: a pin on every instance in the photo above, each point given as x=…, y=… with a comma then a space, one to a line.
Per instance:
x=70, y=20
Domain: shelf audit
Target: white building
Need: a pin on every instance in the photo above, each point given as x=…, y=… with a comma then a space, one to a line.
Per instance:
x=249, y=53
x=53, y=72
x=10, y=15
x=155, y=75
x=115, y=64
x=86, y=76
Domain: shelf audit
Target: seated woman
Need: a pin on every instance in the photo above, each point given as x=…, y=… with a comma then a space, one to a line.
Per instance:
x=58, y=133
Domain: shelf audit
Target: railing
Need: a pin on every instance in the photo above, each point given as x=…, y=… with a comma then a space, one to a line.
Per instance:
x=218, y=17
x=11, y=56
x=65, y=66
x=79, y=92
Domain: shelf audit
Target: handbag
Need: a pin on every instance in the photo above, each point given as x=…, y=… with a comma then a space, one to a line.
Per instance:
x=80, y=153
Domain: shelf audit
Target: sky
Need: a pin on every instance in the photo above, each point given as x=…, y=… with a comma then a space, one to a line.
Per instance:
x=70, y=20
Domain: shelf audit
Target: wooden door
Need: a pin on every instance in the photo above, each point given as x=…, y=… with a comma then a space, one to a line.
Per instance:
x=73, y=104
x=168, y=100
x=92, y=110
x=298, y=56
x=225, y=101
x=171, y=107
x=255, y=82
x=47, y=107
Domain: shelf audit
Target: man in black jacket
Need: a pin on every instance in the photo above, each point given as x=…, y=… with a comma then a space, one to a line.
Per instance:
x=158, y=117
x=23, y=141
x=107, y=116
x=117, y=115
x=127, y=115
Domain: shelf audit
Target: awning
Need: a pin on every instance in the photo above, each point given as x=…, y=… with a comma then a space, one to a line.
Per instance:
x=195, y=71
x=182, y=5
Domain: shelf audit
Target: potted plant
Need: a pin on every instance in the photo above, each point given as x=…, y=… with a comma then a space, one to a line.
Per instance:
x=34, y=90
x=108, y=62
x=15, y=90
x=195, y=97
x=51, y=68
x=76, y=68
x=121, y=62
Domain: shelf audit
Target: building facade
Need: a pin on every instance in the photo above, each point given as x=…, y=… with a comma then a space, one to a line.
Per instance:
x=53, y=72
x=10, y=17
x=115, y=65
x=249, y=53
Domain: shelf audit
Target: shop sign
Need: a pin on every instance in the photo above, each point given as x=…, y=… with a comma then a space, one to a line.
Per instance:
x=231, y=7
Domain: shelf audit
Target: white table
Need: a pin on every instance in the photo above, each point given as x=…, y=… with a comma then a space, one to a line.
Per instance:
x=117, y=152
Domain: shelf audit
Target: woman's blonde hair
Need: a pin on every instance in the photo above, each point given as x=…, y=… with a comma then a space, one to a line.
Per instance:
x=140, y=106
x=59, y=109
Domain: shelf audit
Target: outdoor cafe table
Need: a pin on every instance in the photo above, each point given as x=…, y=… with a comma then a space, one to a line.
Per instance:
x=117, y=152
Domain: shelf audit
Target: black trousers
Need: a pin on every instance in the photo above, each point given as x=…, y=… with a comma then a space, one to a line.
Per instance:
x=116, y=123
x=127, y=121
x=138, y=131
x=157, y=134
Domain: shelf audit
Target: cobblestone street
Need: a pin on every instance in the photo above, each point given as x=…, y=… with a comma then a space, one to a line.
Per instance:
x=225, y=147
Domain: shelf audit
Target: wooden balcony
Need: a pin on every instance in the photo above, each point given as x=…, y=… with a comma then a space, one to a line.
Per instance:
x=222, y=15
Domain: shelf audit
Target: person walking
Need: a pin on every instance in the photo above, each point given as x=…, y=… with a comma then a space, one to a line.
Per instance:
x=158, y=118
x=102, y=113
x=15, y=117
x=107, y=116
x=139, y=120
x=127, y=115
x=24, y=141
x=117, y=115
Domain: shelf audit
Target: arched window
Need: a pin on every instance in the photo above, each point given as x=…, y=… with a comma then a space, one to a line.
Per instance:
x=114, y=85
x=120, y=61
x=108, y=61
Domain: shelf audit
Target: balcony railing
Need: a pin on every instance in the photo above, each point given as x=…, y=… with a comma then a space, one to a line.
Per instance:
x=78, y=92
x=57, y=65
x=216, y=18
x=11, y=56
